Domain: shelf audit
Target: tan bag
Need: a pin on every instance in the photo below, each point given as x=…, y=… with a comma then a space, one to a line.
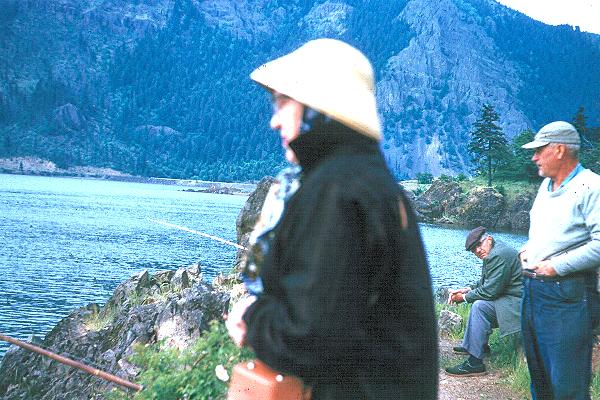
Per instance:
x=254, y=380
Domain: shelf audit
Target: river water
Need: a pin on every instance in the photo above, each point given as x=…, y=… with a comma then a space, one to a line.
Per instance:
x=67, y=242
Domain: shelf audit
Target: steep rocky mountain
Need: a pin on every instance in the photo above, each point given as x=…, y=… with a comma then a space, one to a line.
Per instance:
x=160, y=87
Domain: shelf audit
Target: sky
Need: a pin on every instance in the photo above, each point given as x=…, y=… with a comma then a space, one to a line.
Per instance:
x=582, y=13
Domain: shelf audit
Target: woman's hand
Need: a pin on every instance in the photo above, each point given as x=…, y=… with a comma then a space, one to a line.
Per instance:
x=235, y=324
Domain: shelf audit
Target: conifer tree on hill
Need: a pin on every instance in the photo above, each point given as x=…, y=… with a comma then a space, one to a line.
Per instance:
x=488, y=145
x=590, y=141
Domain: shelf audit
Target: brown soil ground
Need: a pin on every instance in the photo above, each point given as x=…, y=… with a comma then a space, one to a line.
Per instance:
x=485, y=387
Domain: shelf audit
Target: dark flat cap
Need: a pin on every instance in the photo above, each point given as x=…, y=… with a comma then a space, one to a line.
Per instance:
x=473, y=237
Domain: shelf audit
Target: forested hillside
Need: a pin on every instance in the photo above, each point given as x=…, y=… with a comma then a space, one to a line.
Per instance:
x=161, y=87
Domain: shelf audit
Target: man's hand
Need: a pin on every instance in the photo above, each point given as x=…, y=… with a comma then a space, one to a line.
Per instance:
x=523, y=258
x=544, y=268
x=235, y=324
x=457, y=296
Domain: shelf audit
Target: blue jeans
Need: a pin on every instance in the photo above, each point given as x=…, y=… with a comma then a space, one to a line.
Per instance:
x=482, y=319
x=557, y=338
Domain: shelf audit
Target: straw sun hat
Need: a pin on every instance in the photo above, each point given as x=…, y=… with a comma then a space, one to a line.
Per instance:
x=330, y=76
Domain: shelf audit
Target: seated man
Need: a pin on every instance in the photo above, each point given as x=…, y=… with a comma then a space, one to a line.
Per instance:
x=496, y=300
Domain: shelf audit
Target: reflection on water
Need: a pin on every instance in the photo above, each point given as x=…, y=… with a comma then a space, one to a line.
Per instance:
x=67, y=242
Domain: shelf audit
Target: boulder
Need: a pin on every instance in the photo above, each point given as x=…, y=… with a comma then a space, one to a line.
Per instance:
x=482, y=206
x=441, y=198
x=68, y=117
x=449, y=323
x=518, y=211
x=249, y=215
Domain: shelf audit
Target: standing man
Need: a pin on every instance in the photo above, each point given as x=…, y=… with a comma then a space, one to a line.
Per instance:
x=347, y=303
x=560, y=261
x=496, y=300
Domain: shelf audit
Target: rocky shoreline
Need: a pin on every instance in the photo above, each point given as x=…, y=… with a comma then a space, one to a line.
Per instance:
x=39, y=167
x=445, y=203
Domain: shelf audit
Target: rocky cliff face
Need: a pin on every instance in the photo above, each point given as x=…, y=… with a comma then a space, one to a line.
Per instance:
x=432, y=91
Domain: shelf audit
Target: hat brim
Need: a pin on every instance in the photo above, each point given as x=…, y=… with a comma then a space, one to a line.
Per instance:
x=534, y=145
x=339, y=94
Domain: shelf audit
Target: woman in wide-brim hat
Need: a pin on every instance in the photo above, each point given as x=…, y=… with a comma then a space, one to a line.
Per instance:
x=347, y=303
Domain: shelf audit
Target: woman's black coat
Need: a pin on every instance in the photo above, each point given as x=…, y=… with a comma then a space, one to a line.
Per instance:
x=348, y=303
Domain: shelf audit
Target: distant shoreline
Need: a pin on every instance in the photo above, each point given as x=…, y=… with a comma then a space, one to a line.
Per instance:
x=37, y=167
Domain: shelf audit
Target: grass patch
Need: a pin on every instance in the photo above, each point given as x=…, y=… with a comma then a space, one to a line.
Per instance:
x=509, y=189
x=98, y=320
x=170, y=374
x=595, y=390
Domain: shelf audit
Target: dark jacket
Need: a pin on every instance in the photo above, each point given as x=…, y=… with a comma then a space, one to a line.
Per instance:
x=348, y=304
x=501, y=282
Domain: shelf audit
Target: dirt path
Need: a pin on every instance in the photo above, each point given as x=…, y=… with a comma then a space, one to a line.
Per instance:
x=485, y=387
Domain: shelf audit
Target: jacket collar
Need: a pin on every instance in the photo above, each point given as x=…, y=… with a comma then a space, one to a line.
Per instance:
x=312, y=148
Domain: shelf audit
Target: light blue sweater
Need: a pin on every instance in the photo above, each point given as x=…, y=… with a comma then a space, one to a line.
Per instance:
x=564, y=218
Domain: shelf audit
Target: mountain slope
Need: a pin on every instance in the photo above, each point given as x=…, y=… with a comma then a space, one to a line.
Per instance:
x=160, y=87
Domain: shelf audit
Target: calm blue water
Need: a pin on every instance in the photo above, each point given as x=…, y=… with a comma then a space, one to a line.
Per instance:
x=67, y=242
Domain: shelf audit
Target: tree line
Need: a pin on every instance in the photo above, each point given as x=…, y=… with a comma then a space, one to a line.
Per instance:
x=496, y=158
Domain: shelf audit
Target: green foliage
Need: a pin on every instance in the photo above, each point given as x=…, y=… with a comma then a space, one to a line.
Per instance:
x=595, y=386
x=446, y=178
x=590, y=141
x=488, y=145
x=419, y=191
x=518, y=165
x=424, y=177
x=461, y=177
x=100, y=318
x=188, y=374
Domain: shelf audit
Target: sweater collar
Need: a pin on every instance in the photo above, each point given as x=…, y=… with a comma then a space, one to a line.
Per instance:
x=311, y=149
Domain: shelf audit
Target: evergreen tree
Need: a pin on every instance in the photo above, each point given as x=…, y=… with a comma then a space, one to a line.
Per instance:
x=590, y=141
x=488, y=144
x=518, y=165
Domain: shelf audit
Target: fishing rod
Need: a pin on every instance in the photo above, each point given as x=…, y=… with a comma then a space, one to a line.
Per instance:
x=183, y=228
x=72, y=363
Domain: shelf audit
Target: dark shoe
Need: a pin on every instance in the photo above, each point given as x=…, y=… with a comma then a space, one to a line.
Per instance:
x=462, y=350
x=466, y=369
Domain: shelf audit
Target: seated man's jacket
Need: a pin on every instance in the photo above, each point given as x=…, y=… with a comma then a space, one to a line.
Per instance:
x=501, y=282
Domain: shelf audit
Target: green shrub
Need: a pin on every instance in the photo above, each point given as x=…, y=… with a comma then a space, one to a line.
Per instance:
x=460, y=177
x=100, y=318
x=170, y=374
x=424, y=177
x=419, y=191
x=595, y=390
x=446, y=178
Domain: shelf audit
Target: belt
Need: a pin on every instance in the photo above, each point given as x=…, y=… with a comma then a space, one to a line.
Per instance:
x=534, y=275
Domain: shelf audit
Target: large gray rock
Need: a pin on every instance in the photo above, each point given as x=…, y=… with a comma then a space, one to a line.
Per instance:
x=482, y=206
x=68, y=117
x=440, y=199
x=171, y=305
x=449, y=323
x=516, y=214
x=249, y=215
